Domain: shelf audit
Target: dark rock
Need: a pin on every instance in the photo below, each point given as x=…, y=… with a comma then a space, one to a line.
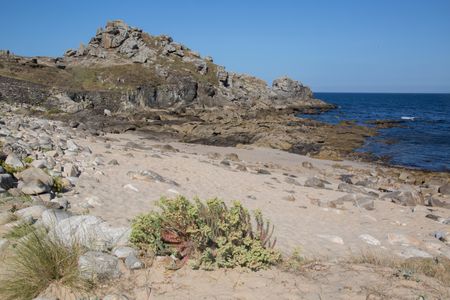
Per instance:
x=7, y=181
x=263, y=172
x=306, y=148
x=225, y=162
x=307, y=165
x=347, y=178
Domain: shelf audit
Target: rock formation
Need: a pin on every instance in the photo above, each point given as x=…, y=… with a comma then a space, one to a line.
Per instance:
x=124, y=69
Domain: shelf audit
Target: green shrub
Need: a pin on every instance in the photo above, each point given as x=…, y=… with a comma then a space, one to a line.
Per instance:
x=28, y=160
x=36, y=263
x=214, y=235
x=58, y=184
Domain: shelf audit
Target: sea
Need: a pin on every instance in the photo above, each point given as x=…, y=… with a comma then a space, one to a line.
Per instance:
x=421, y=138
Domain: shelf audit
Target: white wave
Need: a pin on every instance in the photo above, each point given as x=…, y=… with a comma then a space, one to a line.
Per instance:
x=408, y=118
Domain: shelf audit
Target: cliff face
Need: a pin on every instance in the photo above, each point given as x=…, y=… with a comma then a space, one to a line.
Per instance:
x=124, y=69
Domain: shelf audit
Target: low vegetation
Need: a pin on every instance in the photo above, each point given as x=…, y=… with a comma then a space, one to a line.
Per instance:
x=58, y=184
x=10, y=169
x=28, y=160
x=20, y=230
x=212, y=234
x=438, y=267
x=38, y=262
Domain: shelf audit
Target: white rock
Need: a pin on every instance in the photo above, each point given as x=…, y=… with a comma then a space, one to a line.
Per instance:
x=91, y=232
x=33, y=211
x=370, y=239
x=130, y=187
x=332, y=238
x=51, y=217
x=123, y=251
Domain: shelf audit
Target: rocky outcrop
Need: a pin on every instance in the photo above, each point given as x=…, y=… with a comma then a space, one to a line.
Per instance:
x=123, y=68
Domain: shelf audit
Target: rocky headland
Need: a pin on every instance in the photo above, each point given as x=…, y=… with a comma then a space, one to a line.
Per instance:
x=90, y=140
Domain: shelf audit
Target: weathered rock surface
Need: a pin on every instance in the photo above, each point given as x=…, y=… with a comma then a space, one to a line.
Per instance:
x=35, y=181
x=98, y=266
x=406, y=198
x=159, y=73
x=91, y=232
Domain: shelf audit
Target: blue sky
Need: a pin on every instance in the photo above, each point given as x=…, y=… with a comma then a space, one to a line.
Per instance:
x=340, y=45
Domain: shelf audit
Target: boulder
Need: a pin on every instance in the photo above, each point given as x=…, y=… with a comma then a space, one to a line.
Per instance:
x=405, y=198
x=35, y=181
x=95, y=266
x=14, y=161
x=91, y=232
x=70, y=170
x=51, y=217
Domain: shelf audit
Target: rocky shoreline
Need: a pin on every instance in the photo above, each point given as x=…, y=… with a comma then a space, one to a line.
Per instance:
x=93, y=139
x=96, y=171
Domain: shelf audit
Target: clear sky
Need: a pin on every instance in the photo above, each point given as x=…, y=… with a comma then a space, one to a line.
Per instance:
x=335, y=45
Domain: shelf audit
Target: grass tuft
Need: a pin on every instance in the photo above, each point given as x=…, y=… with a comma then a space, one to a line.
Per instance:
x=20, y=230
x=37, y=263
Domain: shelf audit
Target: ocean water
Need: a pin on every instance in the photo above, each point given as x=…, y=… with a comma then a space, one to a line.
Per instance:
x=422, y=141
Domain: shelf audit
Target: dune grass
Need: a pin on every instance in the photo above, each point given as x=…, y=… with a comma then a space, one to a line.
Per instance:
x=20, y=230
x=36, y=263
x=437, y=267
